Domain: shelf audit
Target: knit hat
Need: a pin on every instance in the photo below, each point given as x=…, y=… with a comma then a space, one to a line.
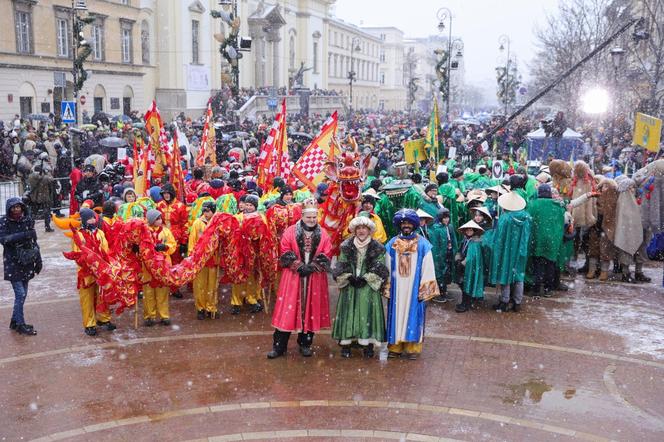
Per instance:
x=87, y=215
x=209, y=205
x=429, y=187
x=285, y=190
x=517, y=182
x=443, y=212
x=544, y=191
x=155, y=193
x=168, y=188
x=152, y=216
x=361, y=220
x=126, y=191
x=252, y=199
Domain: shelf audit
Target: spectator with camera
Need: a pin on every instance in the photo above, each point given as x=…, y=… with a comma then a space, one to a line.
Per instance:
x=40, y=183
x=89, y=188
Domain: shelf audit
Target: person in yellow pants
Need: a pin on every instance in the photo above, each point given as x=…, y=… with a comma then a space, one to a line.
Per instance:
x=250, y=291
x=155, y=297
x=206, y=283
x=88, y=290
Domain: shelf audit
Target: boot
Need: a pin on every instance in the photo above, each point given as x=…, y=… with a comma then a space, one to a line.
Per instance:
x=279, y=344
x=148, y=322
x=465, y=304
x=604, y=276
x=166, y=322
x=501, y=307
x=26, y=329
x=640, y=277
x=200, y=315
x=256, y=308
x=617, y=268
x=12, y=325
x=91, y=331
x=345, y=351
x=516, y=308
x=306, y=351
x=235, y=310
x=591, y=274
x=177, y=294
x=627, y=277
x=368, y=351
x=108, y=326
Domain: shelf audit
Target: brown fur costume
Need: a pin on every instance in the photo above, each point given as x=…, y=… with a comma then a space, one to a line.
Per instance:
x=582, y=183
x=561, y=176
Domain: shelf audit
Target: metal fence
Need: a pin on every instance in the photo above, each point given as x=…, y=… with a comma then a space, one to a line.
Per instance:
x=9, y=189
x=15, y=188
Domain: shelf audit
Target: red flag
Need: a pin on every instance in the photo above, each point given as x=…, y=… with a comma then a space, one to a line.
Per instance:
x=309, y=168
x=208, y=147
x=271, y=161
x=177, y=176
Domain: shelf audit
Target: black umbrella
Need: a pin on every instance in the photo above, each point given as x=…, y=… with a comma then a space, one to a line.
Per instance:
x=101, y=116
x=300, y=136
x=113, y=142
x=37, y=117
x=123, y=118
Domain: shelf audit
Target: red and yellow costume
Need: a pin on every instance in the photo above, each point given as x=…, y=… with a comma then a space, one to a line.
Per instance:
x=175, y=216
x=206, y=282
x=155, y=296
x=88, y=290
x=258, y=248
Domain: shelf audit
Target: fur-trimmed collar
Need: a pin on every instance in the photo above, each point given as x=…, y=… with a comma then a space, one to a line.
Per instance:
x=299, y=238
x=374, y=250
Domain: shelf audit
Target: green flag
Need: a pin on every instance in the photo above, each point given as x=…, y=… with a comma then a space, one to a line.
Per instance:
x=431, y=143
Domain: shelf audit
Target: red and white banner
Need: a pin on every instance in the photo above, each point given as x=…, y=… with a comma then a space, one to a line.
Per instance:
x=309, y=168
x=274, y=160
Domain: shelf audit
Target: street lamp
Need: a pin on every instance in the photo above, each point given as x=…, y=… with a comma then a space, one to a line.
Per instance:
x=617, y=55
x=354, y=46
x=443, y=15
x=504, y=42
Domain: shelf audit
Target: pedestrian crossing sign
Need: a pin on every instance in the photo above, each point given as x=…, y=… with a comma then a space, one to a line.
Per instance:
x=68, y=111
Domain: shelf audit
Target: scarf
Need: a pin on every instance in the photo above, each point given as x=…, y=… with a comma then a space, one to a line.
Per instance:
x=404, y=247
x=361, y=246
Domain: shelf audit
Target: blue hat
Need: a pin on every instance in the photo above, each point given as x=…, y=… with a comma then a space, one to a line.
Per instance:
x=406, y=215
x=155, y=193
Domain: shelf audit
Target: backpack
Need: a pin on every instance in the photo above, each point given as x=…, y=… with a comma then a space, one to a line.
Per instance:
x=655, y=249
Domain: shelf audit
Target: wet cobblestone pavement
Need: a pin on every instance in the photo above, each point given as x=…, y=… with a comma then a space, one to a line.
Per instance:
x=587, y=364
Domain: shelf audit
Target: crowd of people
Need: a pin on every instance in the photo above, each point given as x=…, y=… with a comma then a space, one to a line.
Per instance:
x=417, y=229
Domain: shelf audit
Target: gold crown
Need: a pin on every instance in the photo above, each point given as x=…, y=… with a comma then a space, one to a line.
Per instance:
x=309, y=205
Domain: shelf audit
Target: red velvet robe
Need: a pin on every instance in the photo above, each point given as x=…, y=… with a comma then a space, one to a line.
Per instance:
x=287, y=315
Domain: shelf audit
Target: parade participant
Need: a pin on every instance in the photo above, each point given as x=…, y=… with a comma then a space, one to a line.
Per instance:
x=206, y=283
x=302, y=300
x=131, y=208
x=412, y=283
x=431, y=202
x=155, y=297
x=360, y=273
x=91, y=236
x=254, y=236
x=607, y=203
x=629, y=237
x=196, y=185
x=426, y=221
x=175, y=218
x=471, y=259
x=546, y=239
x=491, y=202
x=444, y=248
x=283, y=213
x=227, y=203
x=457, y=181
x=509, y=250
x=368, y=204
x=89, y=187
x=482, y=217
x=75, y=176
x=109, y=221
x=21, y=258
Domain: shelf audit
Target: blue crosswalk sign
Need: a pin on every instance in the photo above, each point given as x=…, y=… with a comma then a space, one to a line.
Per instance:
x=68, y=111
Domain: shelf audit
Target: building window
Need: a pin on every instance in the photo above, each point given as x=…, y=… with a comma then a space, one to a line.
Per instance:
x=315, y=57
x=126, y=48
x=382, y=78
x=382, y=37
x=145, y=42
x=382, y=56
x=124, y=2
x=195, y=31
x=23, y=19
x=98, y=50
x=291, y=53
x=62, y=37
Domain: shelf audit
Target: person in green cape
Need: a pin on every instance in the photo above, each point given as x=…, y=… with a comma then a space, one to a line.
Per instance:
x=471, y=258
x=444, y=247
x=510, y=251
x=431, y=202
x=457, y=180
x=548, y=228
x=453, y=200
x=360, y=273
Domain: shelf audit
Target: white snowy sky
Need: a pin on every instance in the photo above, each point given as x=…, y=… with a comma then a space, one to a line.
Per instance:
x=478, y=22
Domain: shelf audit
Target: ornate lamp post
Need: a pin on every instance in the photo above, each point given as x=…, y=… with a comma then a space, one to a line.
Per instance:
x=617, y=55
x=504, y=42
x=354, y=46
x=443, y=15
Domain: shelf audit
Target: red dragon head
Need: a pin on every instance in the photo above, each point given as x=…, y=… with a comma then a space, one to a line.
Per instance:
x=348, y=170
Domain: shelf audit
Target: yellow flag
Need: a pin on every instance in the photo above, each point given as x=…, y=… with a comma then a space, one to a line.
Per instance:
x=647, y=132
x=413, y=150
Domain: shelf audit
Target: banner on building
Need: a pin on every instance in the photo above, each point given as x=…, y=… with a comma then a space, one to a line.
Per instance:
x=647, y=132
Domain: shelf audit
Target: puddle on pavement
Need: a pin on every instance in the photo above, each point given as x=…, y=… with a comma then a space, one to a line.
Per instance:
x=526, y=393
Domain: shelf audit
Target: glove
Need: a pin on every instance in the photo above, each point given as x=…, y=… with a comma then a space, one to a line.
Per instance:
x=38, y=267
x=304, y=270
x=161, y=247
x=135, y=249
x=359, y=282
x=183, y=249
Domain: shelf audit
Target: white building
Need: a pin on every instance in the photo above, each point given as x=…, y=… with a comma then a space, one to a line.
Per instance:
x=392, y=75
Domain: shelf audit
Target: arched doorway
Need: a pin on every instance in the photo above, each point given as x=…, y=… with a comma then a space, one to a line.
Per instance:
x=99, y=98
x=27, y=97
x=127, y=97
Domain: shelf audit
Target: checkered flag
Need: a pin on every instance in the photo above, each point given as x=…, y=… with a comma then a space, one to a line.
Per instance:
x=309, y=167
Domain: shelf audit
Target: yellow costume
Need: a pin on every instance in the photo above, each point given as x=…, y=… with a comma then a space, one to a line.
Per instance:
x=155, y=299
x=379, y=235
x=206, y=283
x=249, y=291
x=88, y=290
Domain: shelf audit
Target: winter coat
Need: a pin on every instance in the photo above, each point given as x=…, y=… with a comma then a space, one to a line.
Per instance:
x=15, y=235
x=89, y=188
x=548, y=222
x=510, y=248
x=40, y=187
